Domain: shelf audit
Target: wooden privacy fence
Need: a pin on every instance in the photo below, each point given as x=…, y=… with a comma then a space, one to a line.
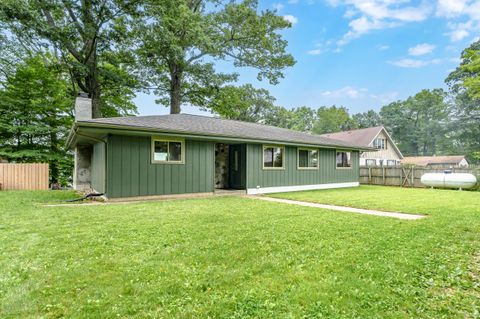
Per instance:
x=404, y=176
x=23, y=176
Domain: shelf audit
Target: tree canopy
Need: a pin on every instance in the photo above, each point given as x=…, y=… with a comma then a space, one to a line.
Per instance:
x=464, y=85
x=417, y=122
x=34, y=122
x=180, y=41
x=333, y=119
x=87, y=36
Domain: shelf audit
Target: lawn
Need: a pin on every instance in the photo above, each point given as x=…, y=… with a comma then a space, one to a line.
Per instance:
x=233, y=257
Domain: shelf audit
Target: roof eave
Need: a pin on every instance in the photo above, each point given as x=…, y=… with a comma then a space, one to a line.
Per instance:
x=78, y=125
x=71, y=136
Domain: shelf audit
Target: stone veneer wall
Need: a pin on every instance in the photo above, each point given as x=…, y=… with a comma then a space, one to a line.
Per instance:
x=221, y=165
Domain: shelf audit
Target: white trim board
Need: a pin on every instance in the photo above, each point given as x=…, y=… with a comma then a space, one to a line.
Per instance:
x=282, y=189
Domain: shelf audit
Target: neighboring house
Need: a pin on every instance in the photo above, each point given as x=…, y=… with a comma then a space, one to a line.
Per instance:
x=387, y=153
x=436, y=161
x=180, y=154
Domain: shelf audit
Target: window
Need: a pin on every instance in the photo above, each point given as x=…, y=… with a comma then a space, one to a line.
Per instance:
x=371, y=162
x=344, y=159
x=167, y=151
x=307, y=158
x=273, y=157
x=391, y=162
x=380, y=143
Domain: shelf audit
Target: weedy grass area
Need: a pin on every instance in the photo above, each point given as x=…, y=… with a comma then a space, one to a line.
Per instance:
x=234, y=257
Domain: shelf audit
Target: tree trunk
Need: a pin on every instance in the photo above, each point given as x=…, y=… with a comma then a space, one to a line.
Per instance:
x=92, y=78
x=175, y=90
x=96, y=108
x=53, y=164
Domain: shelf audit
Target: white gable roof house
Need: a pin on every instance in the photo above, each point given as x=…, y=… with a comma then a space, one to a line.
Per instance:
x=388, y=153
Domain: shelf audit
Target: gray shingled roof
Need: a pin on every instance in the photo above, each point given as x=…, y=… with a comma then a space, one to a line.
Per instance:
x=204, y=125
x=427, y=160
x=363, y=136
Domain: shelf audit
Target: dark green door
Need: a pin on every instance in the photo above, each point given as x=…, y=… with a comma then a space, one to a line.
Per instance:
x=237, y=166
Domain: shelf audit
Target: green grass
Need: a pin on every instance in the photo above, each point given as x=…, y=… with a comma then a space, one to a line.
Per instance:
x=407, y=200
x=232, y=257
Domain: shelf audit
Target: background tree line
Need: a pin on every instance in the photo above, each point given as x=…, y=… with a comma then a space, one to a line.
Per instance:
x=112, y=49
x=432, y=122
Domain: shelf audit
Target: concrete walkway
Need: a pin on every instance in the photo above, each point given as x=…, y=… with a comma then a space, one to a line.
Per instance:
x=341, y=208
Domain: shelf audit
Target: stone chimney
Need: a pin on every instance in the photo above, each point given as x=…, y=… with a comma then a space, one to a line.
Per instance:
x=83, y=107
x=83, y=150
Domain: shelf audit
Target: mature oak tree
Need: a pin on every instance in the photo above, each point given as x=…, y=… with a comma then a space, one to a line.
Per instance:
x=333, y=119
x=181, y=41
x=367, y=119
x=87, y=35
x=250, y=104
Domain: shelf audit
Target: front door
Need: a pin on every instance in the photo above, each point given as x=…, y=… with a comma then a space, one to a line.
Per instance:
x=237, y=166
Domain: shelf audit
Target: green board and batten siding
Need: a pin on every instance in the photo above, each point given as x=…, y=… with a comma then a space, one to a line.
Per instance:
x=292, y=176
x=131, y=173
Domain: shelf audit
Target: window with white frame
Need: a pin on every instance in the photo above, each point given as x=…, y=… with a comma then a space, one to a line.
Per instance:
x=167, y=151
x=391, y=162
x=380, y=143
x=273, y=157
x=371, y=162
x=307, y=158
x=344, y=159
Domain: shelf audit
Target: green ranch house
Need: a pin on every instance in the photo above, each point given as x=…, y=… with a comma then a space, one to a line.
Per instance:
x=182, y=154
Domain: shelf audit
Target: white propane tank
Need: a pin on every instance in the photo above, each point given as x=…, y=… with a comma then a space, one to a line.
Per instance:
x=449, y=180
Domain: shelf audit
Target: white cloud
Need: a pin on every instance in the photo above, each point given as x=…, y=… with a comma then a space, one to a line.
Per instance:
x=388, y=9
x=350, y=13
x=278, y=6
x=450, y=8
x=364, y=16
x=361, y=26
x=292, y=19
x=459, y=31
x=315, y=52
x=377, y=15
x=457, y=35
x=346, y=91
x=455, y=60
x=463, y=16
x=421, y=49
x=348, y=94
x=385, y=97
x=413, y=63
x=383, y=47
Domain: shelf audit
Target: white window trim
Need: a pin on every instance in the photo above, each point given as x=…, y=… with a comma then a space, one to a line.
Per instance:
x=166, y=139
x=307, y=149
x=384, y=143
x=394, y=162
x=351, y=159
x=263, y=157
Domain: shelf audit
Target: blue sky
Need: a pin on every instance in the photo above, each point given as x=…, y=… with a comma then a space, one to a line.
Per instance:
x=362, y=54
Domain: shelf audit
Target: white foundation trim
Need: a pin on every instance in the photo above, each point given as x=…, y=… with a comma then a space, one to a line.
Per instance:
x=281, y=189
